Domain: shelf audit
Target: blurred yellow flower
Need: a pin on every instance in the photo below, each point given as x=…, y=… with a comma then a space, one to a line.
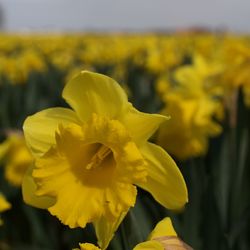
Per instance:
x=199, y=77
x=16, y=158
x=29, y=61
x=163, y=85
x=162, y=54
x=62, y=59
x=87, y=246
x=192, y=123
x=89, y=159
x=236, y=58
x=192, y=103
x=18, y=66
x=4, y=205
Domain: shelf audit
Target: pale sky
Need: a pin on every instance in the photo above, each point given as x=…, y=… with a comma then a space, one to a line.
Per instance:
x=52, y=15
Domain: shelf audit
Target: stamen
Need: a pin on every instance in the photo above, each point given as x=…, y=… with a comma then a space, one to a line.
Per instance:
x=103, y=152
x=99, y=156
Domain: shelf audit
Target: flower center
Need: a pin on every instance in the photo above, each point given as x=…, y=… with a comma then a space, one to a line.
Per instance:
x=102, y=153
x=99, y=151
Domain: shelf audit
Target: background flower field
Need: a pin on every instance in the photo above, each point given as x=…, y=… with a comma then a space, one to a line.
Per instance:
x=200, y=80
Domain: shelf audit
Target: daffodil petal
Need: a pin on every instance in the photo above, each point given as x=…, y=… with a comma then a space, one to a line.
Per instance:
x=39, y=129
x=173, y=242
x=87, y=246
x=29, y=189
x=149, y=245
x=163, y=228
x=105, y=229
x=141, y=126
x=62, y=173
x=4, y=204
x=90, y=93
x=164, y=181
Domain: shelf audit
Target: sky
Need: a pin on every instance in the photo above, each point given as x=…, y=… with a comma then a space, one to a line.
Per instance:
x=116, y=15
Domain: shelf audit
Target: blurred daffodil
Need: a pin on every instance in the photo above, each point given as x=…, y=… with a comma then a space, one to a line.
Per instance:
x=89, y=159
x=87, y=246
x=191, y=125
x=16, y=158
x=4, y=205
x=193, y=104
x=199, y=77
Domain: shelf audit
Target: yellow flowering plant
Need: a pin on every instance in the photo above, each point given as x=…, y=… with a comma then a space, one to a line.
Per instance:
x=89, y=159
x=192, y=103
x=192, y=116
x=202, y=82
x=4, y=205
x=16, y=158
x=163, y=237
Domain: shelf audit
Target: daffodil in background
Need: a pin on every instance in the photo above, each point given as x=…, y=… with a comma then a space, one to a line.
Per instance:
x=87, y=246
x=194, y=118
x=192, y=101
x=199, y=77
x=236, y=58
x=89, y=160
x=4, y=205
x=16, y=158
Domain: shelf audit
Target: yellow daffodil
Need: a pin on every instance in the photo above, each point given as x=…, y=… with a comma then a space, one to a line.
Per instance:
x=186, y=134
x=4, y=205
x=87, y=246
x=236, y=56
x=192, y=104
x=16, y=158
x=89, y=159
x=163, y=237
x=199, y=77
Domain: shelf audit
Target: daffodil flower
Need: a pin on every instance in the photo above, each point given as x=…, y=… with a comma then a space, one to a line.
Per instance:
x=163, y=237
x=194, y=117
x=87, y=246
x=89, y=160
x=4, y=205
x=16, y=158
